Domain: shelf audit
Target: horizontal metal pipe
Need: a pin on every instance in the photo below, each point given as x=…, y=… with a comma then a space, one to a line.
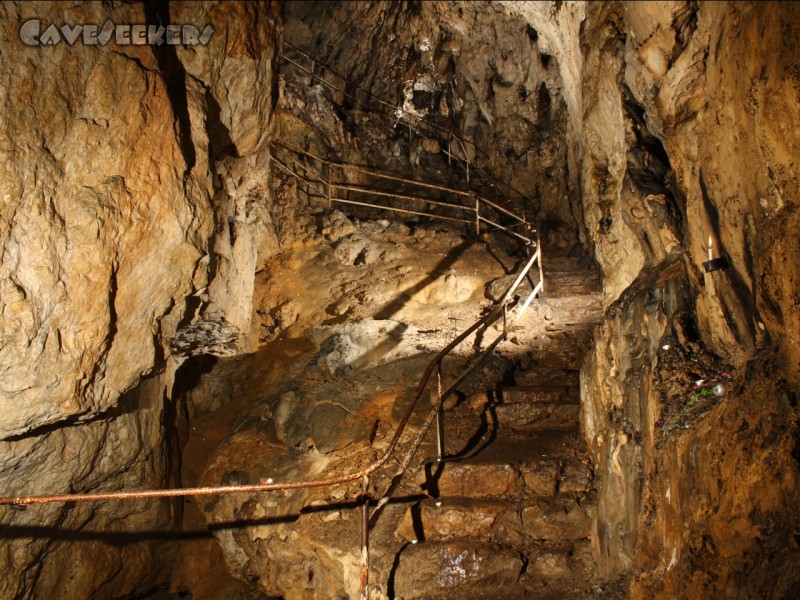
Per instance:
x=402, y=196
x=402, y=210
x=508, y=231
x=376, y=174
x=356, y=169
x=503, y=210
x=314, y=75
x=364, y=190
x=300, y=177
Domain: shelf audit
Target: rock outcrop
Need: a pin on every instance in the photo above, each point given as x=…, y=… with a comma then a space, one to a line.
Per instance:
x=690, y=117
x=123, y=169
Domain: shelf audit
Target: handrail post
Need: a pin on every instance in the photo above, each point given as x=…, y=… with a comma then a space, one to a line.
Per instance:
x=330, y=170
x=541, y=270
x=365, y=538
x=439, y=415
x=466, y=157
x=477, y=217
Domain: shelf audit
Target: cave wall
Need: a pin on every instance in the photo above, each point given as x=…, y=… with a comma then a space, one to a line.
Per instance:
x=690, y=118
x=134, y=194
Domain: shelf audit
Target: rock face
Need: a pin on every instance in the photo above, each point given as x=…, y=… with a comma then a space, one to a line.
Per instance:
x=682, y=123
x=693, y=144
x=122, y=166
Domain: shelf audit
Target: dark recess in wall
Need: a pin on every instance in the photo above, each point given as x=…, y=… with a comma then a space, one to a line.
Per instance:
x=648, y=163
x=174, y=76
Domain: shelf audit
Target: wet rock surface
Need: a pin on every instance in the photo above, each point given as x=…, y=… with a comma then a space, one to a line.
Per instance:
x=436, y=570
x=660, y=426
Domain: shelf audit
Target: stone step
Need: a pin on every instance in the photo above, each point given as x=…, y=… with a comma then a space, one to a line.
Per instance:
x=571, y=284
x=550, y=519
x=554, y=537
x=564, y=350
x=523, y=416
x=573, y=310
x=560, y=571
x=462, y=518
x=509, y=469
x=566, y=264
x=471, y=480
x=552, y=590
x=547, y=476
x=546, y=376
x=575, y=477
x=539, y=394
x=559, y=519
x=548, y=560
x=563, y=562
x=454, y=569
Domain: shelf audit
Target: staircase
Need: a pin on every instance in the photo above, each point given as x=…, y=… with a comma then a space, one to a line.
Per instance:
x=509, y=513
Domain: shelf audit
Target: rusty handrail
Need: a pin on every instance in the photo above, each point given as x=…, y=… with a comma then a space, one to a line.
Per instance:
x=490, y=318
x=269, y=485
x=378, y=175
x=310, y=182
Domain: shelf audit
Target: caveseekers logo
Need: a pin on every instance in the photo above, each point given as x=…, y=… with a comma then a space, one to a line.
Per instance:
x=31, y=34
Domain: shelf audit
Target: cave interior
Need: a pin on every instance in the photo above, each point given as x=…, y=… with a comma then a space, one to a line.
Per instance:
x=400, y=299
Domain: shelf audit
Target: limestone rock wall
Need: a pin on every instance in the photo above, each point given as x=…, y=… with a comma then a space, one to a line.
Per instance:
x=90, y=550
x=133, y=206
x=690, y=120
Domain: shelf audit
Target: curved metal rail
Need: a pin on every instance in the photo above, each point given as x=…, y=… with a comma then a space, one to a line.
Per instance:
x=326, y=188
x=500, y=310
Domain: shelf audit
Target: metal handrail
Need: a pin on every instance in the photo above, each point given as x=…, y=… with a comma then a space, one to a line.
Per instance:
x=475, y=210
x=268, y=486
